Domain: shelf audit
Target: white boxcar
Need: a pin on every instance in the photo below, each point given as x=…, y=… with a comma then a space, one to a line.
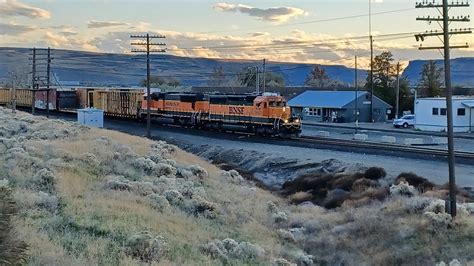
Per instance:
x=90, y=117
x=431, y=114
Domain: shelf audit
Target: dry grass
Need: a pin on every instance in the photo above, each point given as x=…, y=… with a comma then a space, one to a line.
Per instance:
x=93, y=224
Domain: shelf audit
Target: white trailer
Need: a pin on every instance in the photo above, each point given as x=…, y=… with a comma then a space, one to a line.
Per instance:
x=431, y=114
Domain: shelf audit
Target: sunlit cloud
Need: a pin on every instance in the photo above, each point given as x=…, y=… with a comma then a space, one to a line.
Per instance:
x=12, y=8
x=13, y=29
x=104, y=24
x=272, y=14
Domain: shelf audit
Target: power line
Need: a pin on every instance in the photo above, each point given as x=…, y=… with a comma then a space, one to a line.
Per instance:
x=309, y=22
x=295, y=43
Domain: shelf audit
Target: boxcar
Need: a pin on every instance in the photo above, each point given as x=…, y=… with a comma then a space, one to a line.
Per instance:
x=24, y=98
x=116, y=103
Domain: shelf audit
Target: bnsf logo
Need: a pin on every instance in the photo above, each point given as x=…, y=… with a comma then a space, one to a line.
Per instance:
x=236, y=110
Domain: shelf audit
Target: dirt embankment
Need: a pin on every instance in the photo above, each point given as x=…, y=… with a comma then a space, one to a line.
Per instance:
x=329, y=183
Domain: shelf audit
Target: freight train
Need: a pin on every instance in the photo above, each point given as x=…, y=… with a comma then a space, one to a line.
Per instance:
x=265, y=114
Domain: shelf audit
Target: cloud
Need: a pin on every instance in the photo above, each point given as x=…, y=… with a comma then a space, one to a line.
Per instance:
x=12, y=8
x=12, y=29
x=260, y=34
x=104, y=24
x=273, y=14
x=68, y=33
x=61, y=41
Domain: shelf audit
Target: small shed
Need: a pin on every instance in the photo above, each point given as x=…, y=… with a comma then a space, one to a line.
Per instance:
x=338, y=106
x=90, y=117
x=431, y=114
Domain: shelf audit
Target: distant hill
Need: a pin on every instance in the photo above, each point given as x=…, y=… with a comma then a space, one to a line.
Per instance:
x=94, y=69
x=86, y=68
x=462, y=71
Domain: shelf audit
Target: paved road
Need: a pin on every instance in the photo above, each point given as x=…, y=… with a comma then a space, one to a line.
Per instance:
x=388, y=127
x=375, y=135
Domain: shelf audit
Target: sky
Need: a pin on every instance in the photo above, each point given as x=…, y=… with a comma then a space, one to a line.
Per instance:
x=310, y=31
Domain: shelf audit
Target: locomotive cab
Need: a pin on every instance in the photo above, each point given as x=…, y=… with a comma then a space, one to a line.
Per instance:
x=276, y=108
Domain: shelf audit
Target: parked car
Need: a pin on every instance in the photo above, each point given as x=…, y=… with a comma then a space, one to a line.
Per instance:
x=405, y=121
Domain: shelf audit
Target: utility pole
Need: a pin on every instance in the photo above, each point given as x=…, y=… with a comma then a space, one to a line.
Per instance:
x=146, y=40
x=264, y=73
x=257, y=80
x=356, y=85
x=13, y=91
x=444, y=8
x=371, y=39
x=33, y=81
x=397, y=103
x=48, y=81
x=41, y=74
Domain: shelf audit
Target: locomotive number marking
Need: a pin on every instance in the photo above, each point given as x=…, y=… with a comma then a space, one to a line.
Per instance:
x=171, y=104
x=236, y=110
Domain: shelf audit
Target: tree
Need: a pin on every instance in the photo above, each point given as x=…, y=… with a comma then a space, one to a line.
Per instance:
x=19, y=76
x=217, y=77
x=430, y=83
x=317, y=77
x=157, y=81
x=273, y=80
x=406, y=98
x=248, y=78
x=384, y=75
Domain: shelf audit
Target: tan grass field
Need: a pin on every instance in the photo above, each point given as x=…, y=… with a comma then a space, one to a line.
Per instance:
x=83, y=194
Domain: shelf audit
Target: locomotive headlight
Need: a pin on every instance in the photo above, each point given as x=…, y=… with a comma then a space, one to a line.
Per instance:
x=284, y=109
x=297, y=120
x=286, y=121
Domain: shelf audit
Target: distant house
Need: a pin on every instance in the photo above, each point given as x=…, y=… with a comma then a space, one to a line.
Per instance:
x=430, y=114
x=338, y=106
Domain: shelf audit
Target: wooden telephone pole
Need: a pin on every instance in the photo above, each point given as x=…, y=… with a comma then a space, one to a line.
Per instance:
x=146, y=40
x=397, y=95
x=41, y=75
x=444, y=8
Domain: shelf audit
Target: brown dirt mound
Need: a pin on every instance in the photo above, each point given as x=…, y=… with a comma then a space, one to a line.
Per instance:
x=332, y=190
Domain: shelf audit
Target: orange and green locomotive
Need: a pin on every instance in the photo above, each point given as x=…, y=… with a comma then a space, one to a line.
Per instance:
x=266, y=114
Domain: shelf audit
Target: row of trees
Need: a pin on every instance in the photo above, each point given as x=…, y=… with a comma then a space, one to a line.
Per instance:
x=385, y=78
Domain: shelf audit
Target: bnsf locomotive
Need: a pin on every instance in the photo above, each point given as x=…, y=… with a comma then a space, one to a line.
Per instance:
x=266, y=114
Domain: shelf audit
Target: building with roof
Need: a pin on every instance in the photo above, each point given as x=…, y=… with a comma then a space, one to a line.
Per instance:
x=430, y=114
x=338, y=106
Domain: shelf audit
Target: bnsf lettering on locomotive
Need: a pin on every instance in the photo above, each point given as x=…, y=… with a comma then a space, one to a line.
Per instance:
x=233, y=110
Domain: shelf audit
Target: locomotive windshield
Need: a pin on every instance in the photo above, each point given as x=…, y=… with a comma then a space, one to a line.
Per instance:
x=277, y=104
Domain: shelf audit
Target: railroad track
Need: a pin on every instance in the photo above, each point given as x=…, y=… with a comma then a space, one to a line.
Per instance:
x=431, y=152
